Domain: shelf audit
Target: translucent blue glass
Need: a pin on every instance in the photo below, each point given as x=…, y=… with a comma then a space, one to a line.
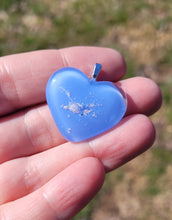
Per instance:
x=81, y=107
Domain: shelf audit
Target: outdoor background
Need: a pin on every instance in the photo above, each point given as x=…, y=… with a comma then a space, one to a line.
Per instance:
x=142, y=31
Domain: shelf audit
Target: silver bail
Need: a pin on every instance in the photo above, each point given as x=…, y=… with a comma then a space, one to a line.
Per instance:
x=97, y=68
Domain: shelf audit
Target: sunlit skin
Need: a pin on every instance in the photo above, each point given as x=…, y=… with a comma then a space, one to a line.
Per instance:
x=41, y=175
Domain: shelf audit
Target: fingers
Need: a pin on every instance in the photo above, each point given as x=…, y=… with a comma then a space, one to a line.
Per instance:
x=62, y=197
x=143, y=95
x=30, y=131
x=24, y=76
x=38, y=131
x=34, y=171
x=132, y=136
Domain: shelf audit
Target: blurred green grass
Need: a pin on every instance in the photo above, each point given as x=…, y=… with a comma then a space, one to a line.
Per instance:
x=167, y=57
x=141, y=31
x=161, y=159
x=7, y=4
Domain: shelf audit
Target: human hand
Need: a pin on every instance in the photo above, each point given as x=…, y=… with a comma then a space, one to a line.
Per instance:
x=41, y=175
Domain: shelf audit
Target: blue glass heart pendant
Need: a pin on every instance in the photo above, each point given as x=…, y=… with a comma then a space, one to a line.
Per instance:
x=81, y=107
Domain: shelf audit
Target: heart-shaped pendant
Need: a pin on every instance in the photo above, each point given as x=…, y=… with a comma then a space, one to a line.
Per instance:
x=81, y=107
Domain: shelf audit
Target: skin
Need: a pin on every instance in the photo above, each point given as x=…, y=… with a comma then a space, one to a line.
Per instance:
x=41, y=175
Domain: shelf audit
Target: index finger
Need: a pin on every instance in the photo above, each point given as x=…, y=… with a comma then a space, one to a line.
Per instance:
x=23, y=77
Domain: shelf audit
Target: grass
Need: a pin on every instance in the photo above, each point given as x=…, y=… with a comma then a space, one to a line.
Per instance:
x=163, y=23
x=39, y=9
x=167, y=57
x=87, y=211
x=118, y=24
x=131, y=68
x=82, y=22
x=156, y=169
x=7, y=4
x=169, y=116
x=166, y=89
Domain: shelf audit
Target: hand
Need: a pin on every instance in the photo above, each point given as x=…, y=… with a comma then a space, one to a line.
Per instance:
x=41, y=175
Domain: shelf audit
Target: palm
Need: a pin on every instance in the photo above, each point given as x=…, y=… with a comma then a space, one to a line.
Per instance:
x=41, y=175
